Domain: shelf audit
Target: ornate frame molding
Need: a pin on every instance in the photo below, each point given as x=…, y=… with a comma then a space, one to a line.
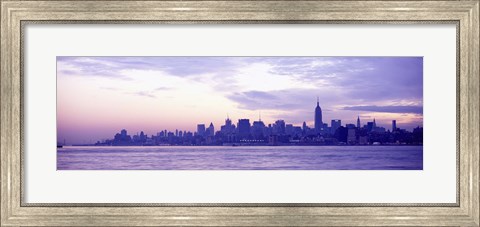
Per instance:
x=14, y=14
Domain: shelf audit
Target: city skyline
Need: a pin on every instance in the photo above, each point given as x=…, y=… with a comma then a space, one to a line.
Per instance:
x=100, y=95
x=279, y=133
x=393, y=125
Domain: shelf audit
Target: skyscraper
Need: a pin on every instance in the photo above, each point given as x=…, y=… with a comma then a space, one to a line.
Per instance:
x=228, y=131
x=358, y=122
x=318, y=118
x=258, y=128
x=335, y=124
x=211, y=130
x=394, y=125
x=279, y=127
x=228, y=128
x=243, y=128
x=201, y=129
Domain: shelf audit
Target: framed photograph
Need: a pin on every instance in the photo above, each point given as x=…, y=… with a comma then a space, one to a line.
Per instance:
x=240, y=113
x=185, y=92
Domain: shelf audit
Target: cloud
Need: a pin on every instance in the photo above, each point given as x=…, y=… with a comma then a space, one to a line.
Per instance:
x=110, y=88
x=260, y=95
x=365, y=78
x=112, y=67
x=89, y=67
x=368, y=78
x=162, y=88
x=143, y=94
x=387, y=109
x=273, y=100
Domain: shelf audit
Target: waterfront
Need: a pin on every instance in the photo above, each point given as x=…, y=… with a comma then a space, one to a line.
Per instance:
x=240, y=158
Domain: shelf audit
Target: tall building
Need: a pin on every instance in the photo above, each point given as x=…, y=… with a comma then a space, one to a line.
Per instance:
x=335, y=124
x=228, y=131
x=358, y=122
x=394, y=125
x=268, y=130
x=370, y=126
x=318, y=118
x=201, y=129
x=258, y=129
x=279, y=127
x=142, y=136
x=243, y=128
x=211, y=130
x=228, y=127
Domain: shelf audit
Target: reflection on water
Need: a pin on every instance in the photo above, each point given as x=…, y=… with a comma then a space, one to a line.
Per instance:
x=241, y=158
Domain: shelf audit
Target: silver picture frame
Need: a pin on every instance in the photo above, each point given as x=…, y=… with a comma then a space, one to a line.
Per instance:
x=15, y=15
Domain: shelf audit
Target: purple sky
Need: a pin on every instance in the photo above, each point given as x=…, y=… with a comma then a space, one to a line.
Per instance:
x=98, y=96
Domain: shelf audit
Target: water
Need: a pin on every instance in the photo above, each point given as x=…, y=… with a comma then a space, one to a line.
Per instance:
x=241, y=158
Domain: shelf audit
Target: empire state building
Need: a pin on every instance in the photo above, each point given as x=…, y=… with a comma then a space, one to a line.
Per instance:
x=318, y=118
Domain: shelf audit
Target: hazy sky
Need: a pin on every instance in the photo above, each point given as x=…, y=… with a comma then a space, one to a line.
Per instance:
x=99, y=96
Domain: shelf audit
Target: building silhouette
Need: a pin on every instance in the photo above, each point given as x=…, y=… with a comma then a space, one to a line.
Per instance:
x=200, y=129
x=228, y=127
x=279, y=127
x=210, y=131
x=228, y=131
x=122, y=138
x=258, y=129
x=370, y=126
x=335, y=125
x=243, y=128
x=318, y=118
